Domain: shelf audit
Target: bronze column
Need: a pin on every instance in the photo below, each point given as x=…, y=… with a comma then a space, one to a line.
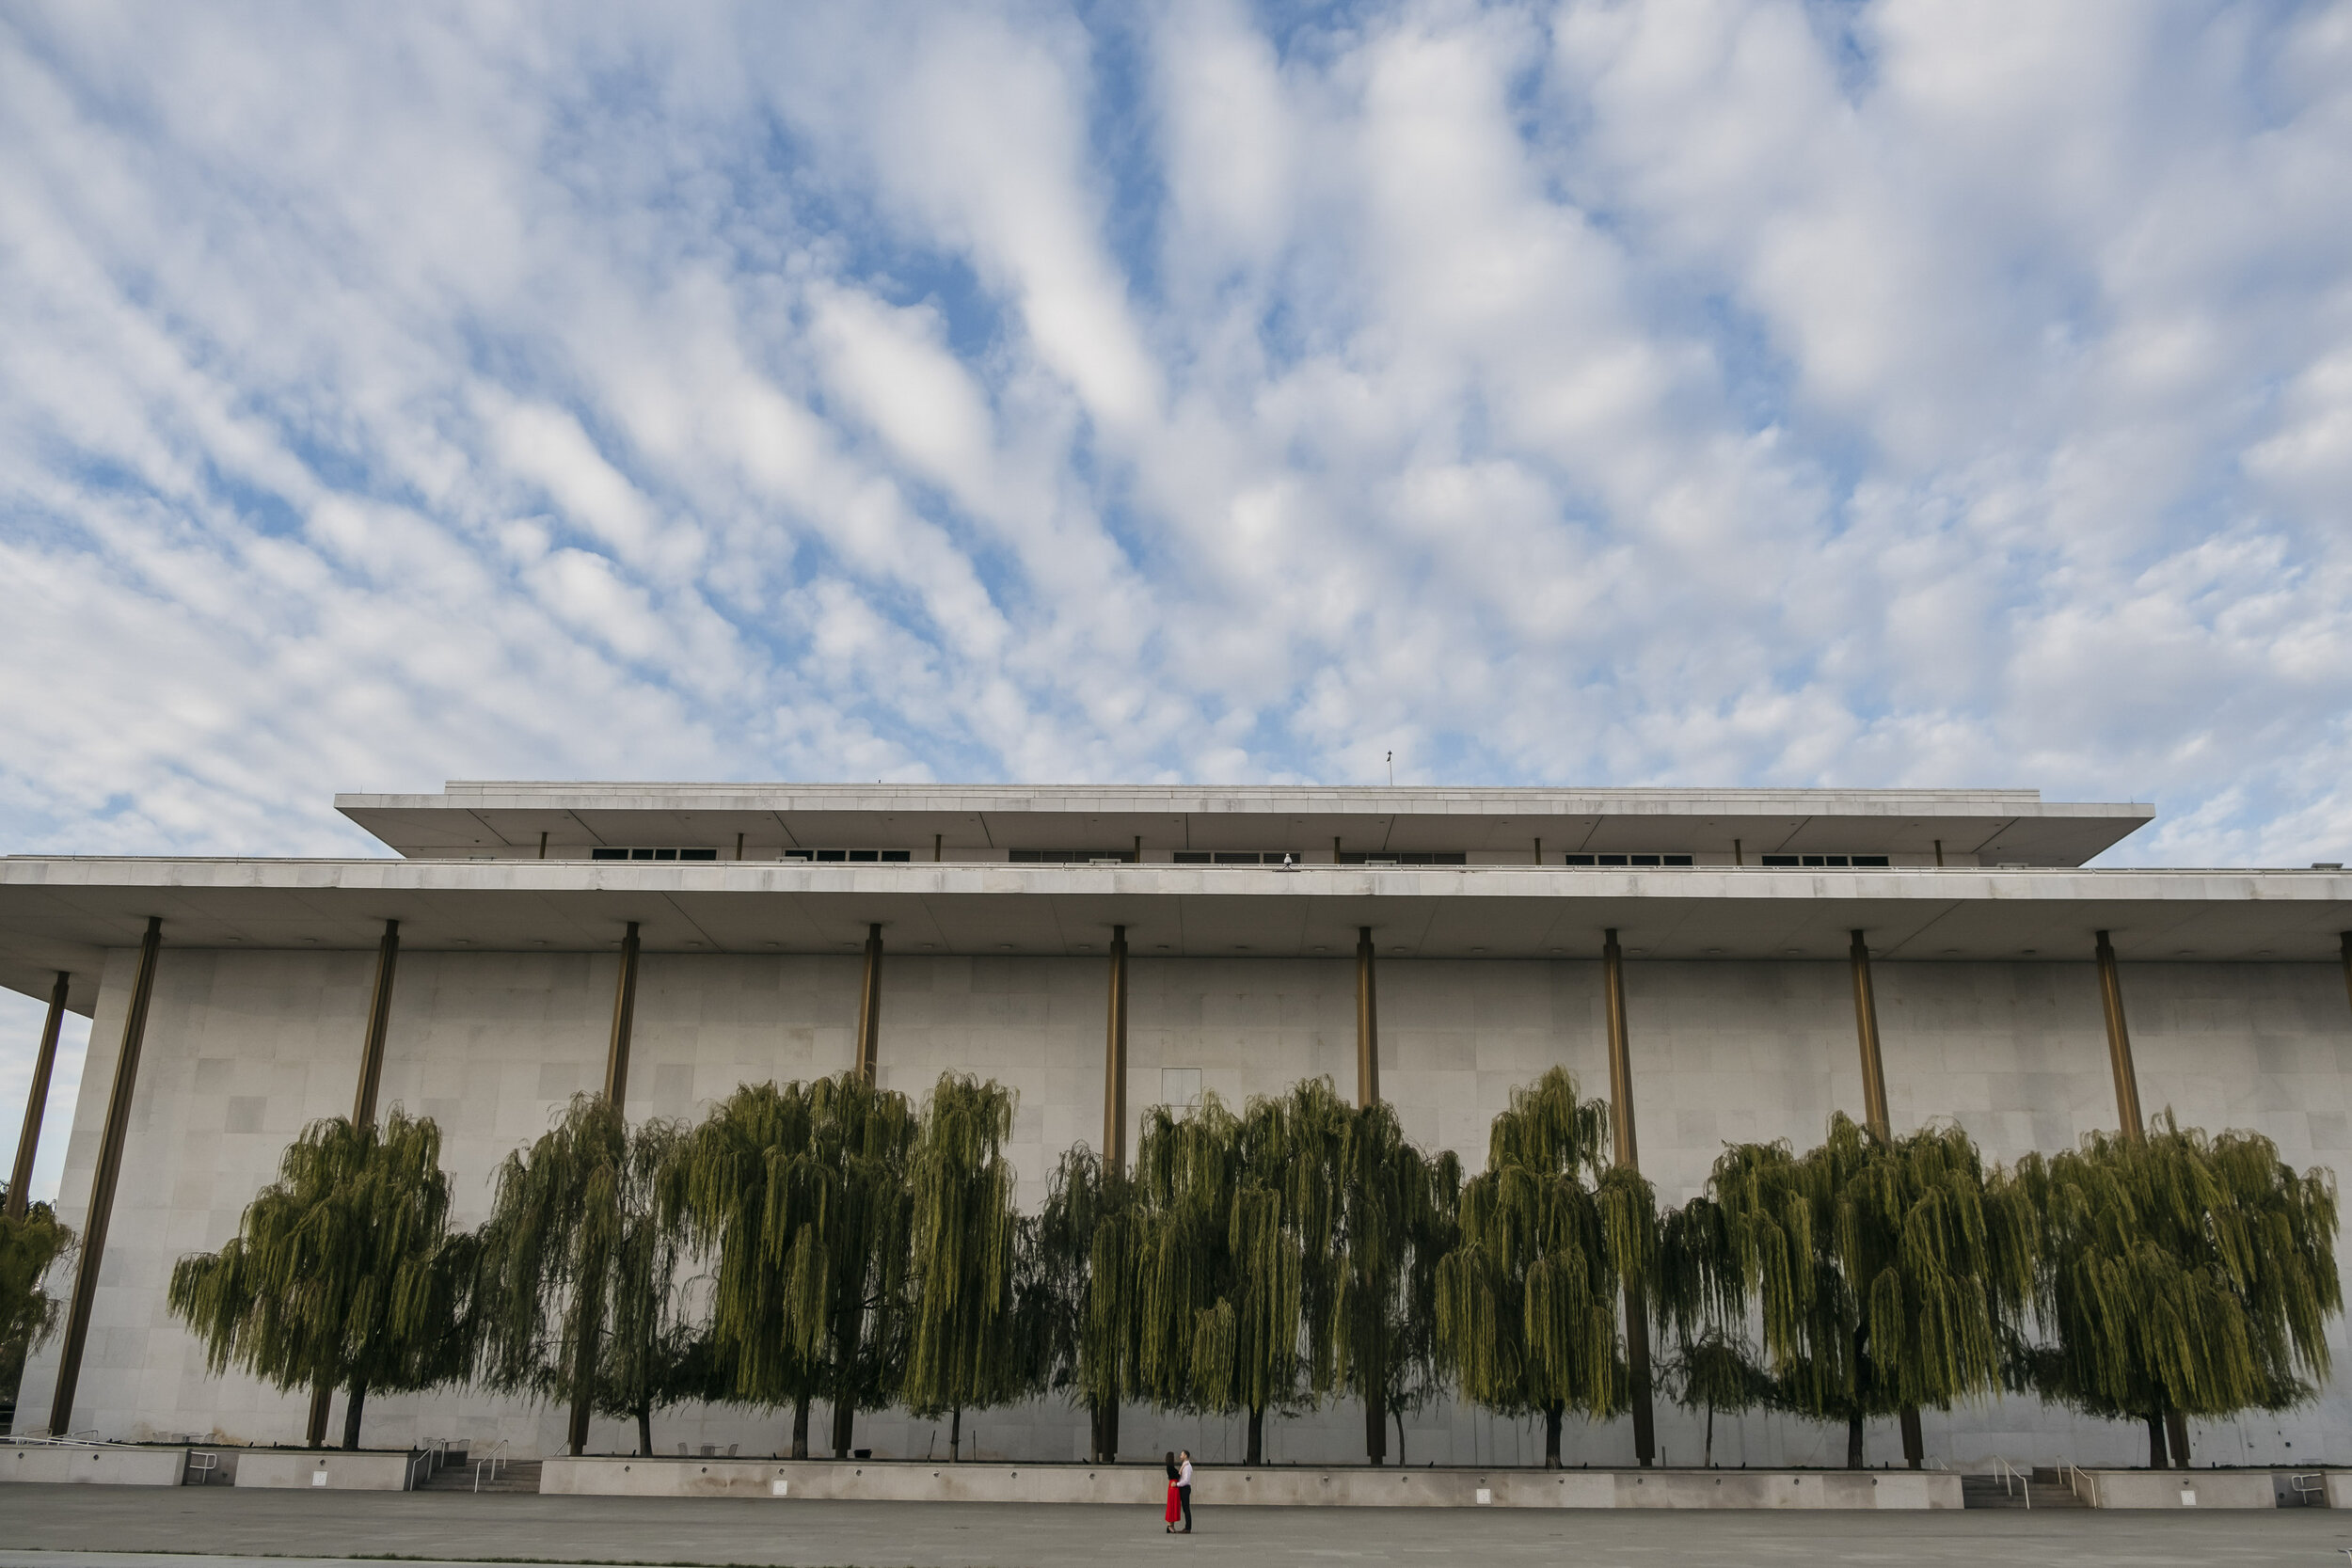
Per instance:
x=102, y=1180
x=379, y=1019
x=37, y=1103
x=616, y=1091
x=1629, y=1155
x=1865, y=1021
x=1367, y=1024
x=2119, y=1045
x=623, y=1022
x=869, y=1006
x=1115, y=1060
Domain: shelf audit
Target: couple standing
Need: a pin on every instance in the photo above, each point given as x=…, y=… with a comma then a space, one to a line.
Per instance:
x=1179, y=1490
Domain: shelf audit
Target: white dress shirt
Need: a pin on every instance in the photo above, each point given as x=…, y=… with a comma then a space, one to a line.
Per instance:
x=1183, y=1473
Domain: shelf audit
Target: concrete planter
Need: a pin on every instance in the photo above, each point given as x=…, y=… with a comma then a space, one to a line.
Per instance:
x=93, y=1466
x=327, y=1469
x=2176, y=1489
x=1146, y=1486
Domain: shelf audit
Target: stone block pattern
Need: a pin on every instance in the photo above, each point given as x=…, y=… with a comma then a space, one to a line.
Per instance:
x=244, y=1048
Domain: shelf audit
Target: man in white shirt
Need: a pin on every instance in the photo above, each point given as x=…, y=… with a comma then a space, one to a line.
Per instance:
x=1183, y=1485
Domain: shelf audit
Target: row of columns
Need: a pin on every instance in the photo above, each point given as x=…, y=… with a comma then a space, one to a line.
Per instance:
x=116, y=1128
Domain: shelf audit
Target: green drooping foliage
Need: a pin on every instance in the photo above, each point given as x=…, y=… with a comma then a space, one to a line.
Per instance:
x=1716, y=1371
x=963, y=1350
x=579, y=1297
x=801, y=1192
x=1088, y=1307
x=1375, y=1217
x=1527, y=1302
x=1890, y=1273
x=342, y=1273
x=2181, y=1275
x=1221, y=1289
x=29, y=1247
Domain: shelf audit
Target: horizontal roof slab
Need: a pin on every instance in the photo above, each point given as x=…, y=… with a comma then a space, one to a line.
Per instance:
x=1997, y=824
x=63, y=913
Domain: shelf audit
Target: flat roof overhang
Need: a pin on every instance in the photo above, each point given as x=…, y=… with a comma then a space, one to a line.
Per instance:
x=64, y=913
x=1997, y=824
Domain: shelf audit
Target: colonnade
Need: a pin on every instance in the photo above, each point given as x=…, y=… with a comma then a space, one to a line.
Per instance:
x=116, y=1127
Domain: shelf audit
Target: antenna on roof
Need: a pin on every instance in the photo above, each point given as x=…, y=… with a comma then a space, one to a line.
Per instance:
x=1391, y=769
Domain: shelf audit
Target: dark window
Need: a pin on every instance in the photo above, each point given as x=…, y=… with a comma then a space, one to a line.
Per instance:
x=1356, y=857
x=898, y=856
x=1612, y=859
x=865, y=855
x=1067, y=857
x=1869, y=859
x=1627, y=860
x=1642, y=859
x=653, y=854
x=607, y=854
x=1780, y=860
x=698, y=854
x=832, y=854
x=1192, y=857
x=1677, y=859
x=1579, y=859
x=861, y=855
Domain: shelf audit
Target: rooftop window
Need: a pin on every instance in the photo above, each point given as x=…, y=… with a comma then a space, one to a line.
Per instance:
x=1069, y=857
x=1825, y=860
x=1235, y=856
x=1375, y=857
x=1627, y=860
x=854, y=857
x=633, y=854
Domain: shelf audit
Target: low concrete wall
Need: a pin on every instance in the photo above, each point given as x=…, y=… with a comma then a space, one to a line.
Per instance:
x=1146, y=1485
x=2182, y=1489
x=93, y=1466
x=328, y=1469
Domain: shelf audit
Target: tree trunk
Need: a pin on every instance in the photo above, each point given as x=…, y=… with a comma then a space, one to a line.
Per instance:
x=1376, y=1427
x=1110, y=1432
x=320, y=1397
x=591, y=1313
x=1853, y=1441
x=1709, y=1458
x=2156, y=1460
x=1551, y=1436
x=800, y=1427
x=1399, y=1436
x=2176, y=1427
x=844, y=1422
x=351, y=1415
x=1915, y=1441
x=1257, y=1435
x=955, y=1435
x=644, y=1428
x=845, y=1338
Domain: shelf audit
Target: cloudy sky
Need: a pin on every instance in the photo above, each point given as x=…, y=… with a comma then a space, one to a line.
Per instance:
x=1717, y=393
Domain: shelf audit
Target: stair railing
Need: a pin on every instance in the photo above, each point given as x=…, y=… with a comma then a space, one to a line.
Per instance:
x=2313, y=1495
x=2077, y=1479
x=2009, y=1472
x=200, y=1465
x=493, y=1464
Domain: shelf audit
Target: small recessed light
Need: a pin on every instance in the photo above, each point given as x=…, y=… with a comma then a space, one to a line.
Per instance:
x=1715, y=952
x=771, y=944
x=2029, y=952
x=1559, y=952
x=1792, y=949
x=1161, y=945
x=1952, y=952
x=930, y=945
x=1319, y=950
x=1399, y=950
x=1241, y=947
x=1004, y=948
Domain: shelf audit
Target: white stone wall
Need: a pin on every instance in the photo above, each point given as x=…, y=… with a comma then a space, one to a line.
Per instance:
x=244, y=1048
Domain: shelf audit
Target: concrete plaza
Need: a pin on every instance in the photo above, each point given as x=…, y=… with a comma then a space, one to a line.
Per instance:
x=89, y=1526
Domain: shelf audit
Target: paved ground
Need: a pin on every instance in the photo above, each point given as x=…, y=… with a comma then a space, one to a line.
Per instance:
x=107, y=1527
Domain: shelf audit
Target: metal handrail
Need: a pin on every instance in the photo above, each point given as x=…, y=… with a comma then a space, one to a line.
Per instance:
x=2318, y=1486
x=495, y=1461
x=2076, y=1478
x=204, y=1464
x=421, y=1461
x=2003, y=1469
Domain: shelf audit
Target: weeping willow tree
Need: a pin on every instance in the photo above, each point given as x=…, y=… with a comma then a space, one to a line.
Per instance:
x=801, y=1192
x=2181, y=1275
x=578, y=1300
x=30, y=1244
x=342, y=1273
x=1890, y=1273
x=963, y=1350
x=1716, y=1370
x=1087, y=1298
x=1527, y=1301
x=1377, y=1217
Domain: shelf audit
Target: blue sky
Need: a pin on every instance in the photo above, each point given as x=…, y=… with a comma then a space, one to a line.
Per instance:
x=1723, y=392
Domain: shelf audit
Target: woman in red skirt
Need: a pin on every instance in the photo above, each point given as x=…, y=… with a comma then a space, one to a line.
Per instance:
x=1175, y=1505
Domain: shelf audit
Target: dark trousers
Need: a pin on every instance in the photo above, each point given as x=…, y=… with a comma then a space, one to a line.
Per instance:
x=1184, y=1500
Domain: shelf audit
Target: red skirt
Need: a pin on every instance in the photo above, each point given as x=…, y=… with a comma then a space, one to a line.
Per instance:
x=1175, y=1514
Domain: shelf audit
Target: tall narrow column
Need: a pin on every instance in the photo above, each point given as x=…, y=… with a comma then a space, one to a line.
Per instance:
x=2347, y=939
x=2119, y=1044
x=1367, y=1023
x=379, y=1019
x=1115, y=1060
x=591, y=1283
x=623, y=1022
x=102, y=1180
x=1629, y=1155
x=37, y=1103
x=869, y=1006
x=1866, y=1023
